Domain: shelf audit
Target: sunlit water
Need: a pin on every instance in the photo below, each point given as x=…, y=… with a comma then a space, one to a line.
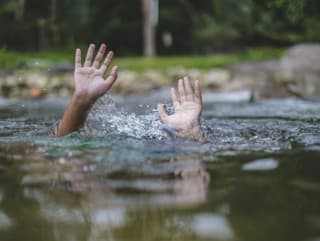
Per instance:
x=124, y=178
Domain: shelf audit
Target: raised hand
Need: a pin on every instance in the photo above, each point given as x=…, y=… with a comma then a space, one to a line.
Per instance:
x=187, y=110
x=90, y=83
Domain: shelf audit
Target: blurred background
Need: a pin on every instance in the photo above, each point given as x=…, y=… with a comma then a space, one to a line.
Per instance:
x=182, y=26
x=187, y=34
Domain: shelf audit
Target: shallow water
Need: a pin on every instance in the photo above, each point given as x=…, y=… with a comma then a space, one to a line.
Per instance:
x=123, y=178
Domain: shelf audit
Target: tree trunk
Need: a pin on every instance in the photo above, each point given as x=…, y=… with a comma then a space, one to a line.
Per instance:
x=54, y=27
x=20, y=10
x=53, y=11
x=149, y=45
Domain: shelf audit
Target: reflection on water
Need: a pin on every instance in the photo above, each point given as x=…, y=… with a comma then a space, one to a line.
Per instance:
x=121, y=178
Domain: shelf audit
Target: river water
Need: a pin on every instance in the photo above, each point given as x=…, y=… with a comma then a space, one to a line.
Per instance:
x=123, y=178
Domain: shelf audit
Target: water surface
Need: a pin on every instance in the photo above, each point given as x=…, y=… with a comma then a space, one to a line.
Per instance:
x=123, y=178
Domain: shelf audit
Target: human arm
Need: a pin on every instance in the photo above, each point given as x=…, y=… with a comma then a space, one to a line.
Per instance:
x=187, y=104
x=90, y=84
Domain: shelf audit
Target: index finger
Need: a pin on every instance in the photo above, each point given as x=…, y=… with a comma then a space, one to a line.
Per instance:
x=89, y=56
x=197, y=92
x=106, y=62
x=188, y=88
x=78, y=58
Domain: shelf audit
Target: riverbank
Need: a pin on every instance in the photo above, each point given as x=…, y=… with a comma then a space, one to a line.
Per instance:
x=263, y=73
x=39, y=61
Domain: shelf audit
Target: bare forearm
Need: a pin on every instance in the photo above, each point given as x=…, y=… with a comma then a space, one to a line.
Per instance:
x=74, y=116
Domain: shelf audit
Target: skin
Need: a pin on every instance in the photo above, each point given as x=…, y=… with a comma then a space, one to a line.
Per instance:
x=187, y=104
x=90, y=84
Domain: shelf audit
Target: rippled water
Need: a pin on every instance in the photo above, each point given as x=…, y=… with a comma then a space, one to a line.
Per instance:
x=124, y=178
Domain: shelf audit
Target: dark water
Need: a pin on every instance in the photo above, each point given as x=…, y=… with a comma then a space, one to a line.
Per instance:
x=258, y=177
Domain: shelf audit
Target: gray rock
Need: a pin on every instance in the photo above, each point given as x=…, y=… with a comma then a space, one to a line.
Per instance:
x=300, y=70
x=301, y=58
x=295, y=74
x=61, y=69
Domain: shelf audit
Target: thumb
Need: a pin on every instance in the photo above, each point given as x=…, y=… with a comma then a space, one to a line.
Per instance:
x=162, y=113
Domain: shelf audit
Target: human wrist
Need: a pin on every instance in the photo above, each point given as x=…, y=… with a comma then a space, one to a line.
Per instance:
x=82, y=100
x=193, y=131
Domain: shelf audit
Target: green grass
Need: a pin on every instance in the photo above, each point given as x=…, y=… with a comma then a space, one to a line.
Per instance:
x=10, y=59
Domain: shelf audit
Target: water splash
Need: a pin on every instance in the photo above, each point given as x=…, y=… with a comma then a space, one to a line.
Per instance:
x=107, y=118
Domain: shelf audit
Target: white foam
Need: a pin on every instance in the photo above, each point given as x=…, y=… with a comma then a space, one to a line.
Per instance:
x=261, y=165
x=212, y=226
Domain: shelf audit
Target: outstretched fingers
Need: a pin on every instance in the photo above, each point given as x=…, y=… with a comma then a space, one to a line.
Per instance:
x=181, y=90
x=107, y=84
x=106, y=63
x=99, y=56
x=89, y=56
x=112, y=77
x=77, y=59
x=197, y=92
x=188, y=89
x=174, y=97
x=162, y=113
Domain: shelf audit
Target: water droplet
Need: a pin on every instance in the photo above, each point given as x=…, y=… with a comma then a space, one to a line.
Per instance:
x=106, y=118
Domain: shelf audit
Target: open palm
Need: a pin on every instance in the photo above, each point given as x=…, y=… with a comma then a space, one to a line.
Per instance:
x=187, y=106
x=89, y=78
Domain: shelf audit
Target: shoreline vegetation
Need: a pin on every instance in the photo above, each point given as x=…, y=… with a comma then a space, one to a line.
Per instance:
x=263, y=73
x=13, y=60
x=35, y=75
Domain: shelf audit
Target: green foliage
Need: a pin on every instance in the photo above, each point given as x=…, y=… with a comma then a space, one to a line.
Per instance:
x=200, y=62
x=310, y=33
x=212, y=34
x=294, y=9
x=196, y=27
x=12, y=59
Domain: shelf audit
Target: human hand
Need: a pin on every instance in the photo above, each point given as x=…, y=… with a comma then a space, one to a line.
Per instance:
x=187, y=110
x=90, y=83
